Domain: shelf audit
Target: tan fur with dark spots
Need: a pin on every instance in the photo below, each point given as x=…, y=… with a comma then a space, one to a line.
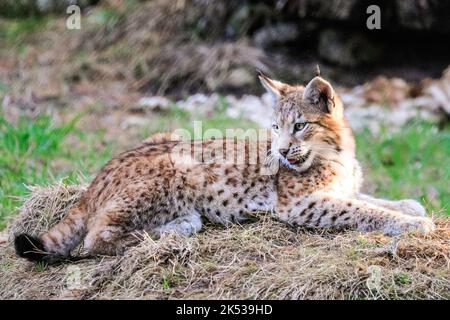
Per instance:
x=171, y=185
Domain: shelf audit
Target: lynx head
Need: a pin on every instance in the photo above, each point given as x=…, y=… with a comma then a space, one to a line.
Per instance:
x=308, y=123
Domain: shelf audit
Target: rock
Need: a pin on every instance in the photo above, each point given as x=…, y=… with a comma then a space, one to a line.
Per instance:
x=155, y=103
x=134, y=121
x=22, y=8
x=242, y=15
x=239, y=77
x=326, y=9
x=238, y=23
x=353, y=97
x=424, y=14
x=427, y=15
x=277, y=34
x=374, y=117
x=390, y=102
x=253, y=108
x=200, y=103
x=386, y=102
x=345, y=49
x=386, y=91
x=436, y=93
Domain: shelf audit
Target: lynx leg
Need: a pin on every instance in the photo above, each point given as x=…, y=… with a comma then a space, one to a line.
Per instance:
x=325, y=211
x=407, y=206
x=108, y=234
x=186, y=225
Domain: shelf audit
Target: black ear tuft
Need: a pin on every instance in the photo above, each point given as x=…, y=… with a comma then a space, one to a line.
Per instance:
x=29, y=247
x=274, y=87
x=317, y=70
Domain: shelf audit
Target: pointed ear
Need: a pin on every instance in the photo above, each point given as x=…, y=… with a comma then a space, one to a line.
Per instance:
x=274, y=87
x=320, y=93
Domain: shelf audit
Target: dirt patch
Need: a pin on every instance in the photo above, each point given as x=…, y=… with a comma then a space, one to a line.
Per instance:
x=260, y=260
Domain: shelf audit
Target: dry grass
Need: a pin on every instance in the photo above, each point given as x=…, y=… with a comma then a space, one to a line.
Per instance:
x=261, y=260
x=169, y=56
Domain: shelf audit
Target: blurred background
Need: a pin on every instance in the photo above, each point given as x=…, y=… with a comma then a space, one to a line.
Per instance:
x=71, y=99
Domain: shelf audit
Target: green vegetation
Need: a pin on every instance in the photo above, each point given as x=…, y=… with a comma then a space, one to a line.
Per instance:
x=411, y=163
x=33, y=151
x=408, y=164
x=106, y=17
x=13, y=30
x=40, y=266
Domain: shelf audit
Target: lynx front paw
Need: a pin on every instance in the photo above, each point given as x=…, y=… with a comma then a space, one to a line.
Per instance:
x=420, y=224
x=184, y=225
x=412, y=208
x=410, y=224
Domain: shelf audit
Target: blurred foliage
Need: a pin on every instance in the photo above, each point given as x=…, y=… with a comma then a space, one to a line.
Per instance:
x=30, y=150
x=175, y=48
x=33, y=8
x=412, y=162
x=11, y=31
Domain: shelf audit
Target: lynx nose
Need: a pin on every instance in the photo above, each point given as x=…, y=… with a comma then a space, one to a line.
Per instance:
x=283, y=152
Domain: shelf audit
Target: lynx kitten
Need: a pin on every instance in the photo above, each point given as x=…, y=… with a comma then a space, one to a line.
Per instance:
x=305, y=174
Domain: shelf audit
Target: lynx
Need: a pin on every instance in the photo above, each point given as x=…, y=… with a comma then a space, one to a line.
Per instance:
x=305, y=174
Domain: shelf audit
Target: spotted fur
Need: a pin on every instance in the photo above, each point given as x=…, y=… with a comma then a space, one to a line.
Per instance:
x=305, y=174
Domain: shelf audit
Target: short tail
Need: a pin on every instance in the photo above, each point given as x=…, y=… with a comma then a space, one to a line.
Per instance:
x=57, y=242
x=29, y=247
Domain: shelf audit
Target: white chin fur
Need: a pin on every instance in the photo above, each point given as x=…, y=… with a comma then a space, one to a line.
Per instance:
x=300, y=168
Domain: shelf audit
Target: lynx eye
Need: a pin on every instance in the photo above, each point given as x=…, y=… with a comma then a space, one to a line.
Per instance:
x=299, y=126
x=275, y=127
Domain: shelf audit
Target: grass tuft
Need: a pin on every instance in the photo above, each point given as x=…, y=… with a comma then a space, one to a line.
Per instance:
x=409, y=163
x=30, y=152
x=262, y=260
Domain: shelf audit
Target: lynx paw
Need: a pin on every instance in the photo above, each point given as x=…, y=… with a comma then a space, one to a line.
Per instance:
x=185, y=225
x=421, y=224
x=411, y=207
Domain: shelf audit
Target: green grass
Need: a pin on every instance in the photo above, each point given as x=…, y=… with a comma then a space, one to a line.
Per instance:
x=106, y=17
x=40, y=266
x=35, y=151
x=412, y=163
x=13, y=30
